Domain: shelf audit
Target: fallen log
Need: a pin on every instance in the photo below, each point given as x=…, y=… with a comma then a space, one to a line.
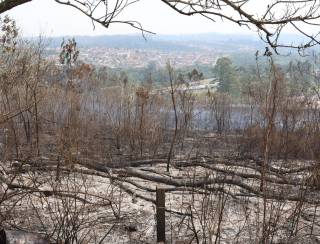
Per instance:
x=221, y=181
x=21, y=237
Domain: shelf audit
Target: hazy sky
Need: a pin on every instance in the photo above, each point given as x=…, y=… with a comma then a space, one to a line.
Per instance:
x=51, y=19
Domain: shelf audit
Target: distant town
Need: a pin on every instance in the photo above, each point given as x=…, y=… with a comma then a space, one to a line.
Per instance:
x=133, y=52
x=138, y=58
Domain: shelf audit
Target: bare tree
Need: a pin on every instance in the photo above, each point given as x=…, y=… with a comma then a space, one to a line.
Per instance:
x=104, y=12
x=269, y=20
x=174, y=106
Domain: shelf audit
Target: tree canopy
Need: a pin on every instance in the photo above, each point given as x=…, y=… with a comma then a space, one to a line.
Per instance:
x=225, y=73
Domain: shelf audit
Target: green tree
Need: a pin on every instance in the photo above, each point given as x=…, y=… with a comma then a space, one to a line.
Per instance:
x=195, y=75
x=226, y=74
x=300, y=76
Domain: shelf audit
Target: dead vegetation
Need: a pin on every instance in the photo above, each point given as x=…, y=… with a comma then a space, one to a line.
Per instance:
x=80, y=162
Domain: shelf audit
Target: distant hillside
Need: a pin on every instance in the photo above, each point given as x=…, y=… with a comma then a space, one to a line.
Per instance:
x=183, y=50
x=183, y=43
x=124, y=41
x=217, y=42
